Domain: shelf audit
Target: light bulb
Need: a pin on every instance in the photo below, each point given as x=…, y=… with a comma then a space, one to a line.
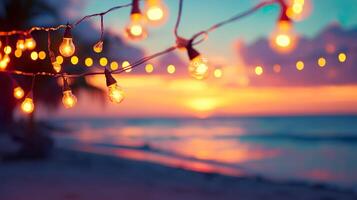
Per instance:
x=56, y=66
x=155, y=11
x=27, y=105
x=198, y=68
x=20, y=44
x=98, y=47
x=116, y=94
x=67, y=47
x=68, y=99
x=283, y=39
x=7, y=49
x=135, y=29
x=30, y=43
x=18, y=92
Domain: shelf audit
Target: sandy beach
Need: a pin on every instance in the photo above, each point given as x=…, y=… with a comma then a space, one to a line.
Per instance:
x=76, y=175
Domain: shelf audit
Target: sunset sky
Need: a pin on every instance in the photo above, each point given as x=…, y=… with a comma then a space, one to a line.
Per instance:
x=329, y=29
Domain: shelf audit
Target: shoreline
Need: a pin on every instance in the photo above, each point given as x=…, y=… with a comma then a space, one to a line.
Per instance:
x=71, y=174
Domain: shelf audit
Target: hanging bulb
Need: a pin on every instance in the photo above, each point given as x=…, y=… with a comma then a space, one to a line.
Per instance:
x=20, y=44
x=27, y=105
x=7, y=49
x=68, y=99
x=135, y=29
x=283, y=39
x=30, y=43
x=67, y=47
x=155, y=11
x=98, y=47
x=115, y=92
x=55, y=65
x=198, y=67
x=3, y=64
x=18, y=92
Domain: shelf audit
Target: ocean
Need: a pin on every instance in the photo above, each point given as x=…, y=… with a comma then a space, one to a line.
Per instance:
x=316, y=149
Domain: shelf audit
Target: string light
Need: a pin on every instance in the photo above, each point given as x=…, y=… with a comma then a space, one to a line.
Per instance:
x=18, y=53
x=34, y=55
x=321, y=62
x=7, y=49
x=300, y=65
x=74, y=60
x=283, y=39
x=20, y=44
x=154, y=11
x=30, y=43
x=115, y=93
x=59, y=59
x=197, y=67
x=126, y=66
x=42, y=55
x=27, y=106
x=342, y=57
x=103, y=61
x=149, y=68
x=18, y=92
x=171, y=69
x=68, y=99
x=259, y=70
x=135, y=30
x=56, y=65
x=98, y=47
x=218, y=73
x=67, y=47
x=114, y=65
x=88, y=62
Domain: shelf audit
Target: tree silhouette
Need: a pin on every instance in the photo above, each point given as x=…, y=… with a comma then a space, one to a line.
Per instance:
x=20, y=14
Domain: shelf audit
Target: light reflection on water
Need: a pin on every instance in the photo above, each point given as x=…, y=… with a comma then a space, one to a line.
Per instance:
x=303, y=148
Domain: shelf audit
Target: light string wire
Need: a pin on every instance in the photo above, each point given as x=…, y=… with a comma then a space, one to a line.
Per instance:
x=144, y=59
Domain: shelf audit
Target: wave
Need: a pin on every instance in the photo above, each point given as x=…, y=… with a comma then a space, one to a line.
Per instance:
x=347, y=138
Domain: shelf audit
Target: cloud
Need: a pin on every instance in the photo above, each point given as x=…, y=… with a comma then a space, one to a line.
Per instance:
x=327, y=44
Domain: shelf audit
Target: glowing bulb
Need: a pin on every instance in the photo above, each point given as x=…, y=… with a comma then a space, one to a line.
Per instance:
x=74, y=60
x=300, y=65
x=116, y=94
x=126, y=65
x=67, y=47
x=20, y=44
x=103, y=61
x=283, y=39
x=7, y=49
x=259, y=70
x=68, y=99
x=18, y=53
x=27, y=105
x=42, y=55
x=198, y=68
x=218, y=73
x=59, y=59
x=171, y=69
x=3, y=65
x=98, y=47
x=149, y=68
x=114, y=65
x=88, y=62
x=135, y=29
x=18, y=92
x=34, y=55
x=56, y=66
x=321, y=62
x=30, y=43
x=155, y=13
x=342, y=57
